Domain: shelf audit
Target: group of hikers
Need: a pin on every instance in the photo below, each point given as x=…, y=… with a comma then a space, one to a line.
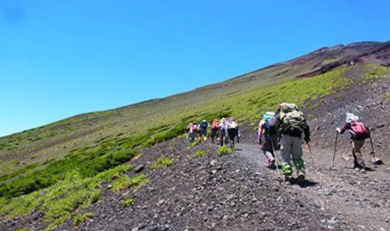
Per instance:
x=225, y=131
x=284, y=130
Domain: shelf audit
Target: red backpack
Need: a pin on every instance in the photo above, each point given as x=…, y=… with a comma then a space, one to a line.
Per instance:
x=360, y=130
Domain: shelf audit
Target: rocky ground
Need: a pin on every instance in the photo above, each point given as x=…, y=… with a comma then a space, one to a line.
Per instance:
x=237, y=192
x=233, y=192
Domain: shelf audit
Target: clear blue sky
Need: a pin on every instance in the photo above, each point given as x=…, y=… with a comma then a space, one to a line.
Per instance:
x=59, y=58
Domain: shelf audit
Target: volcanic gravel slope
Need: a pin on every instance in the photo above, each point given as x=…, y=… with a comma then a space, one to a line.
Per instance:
x=237, y=192
x=233, y=192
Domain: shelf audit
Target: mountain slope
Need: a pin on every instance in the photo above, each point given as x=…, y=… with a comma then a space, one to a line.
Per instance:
x=74, y=159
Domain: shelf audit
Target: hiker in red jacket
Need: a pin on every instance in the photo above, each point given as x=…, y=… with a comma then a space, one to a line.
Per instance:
x=214, y=130
x=359, y=133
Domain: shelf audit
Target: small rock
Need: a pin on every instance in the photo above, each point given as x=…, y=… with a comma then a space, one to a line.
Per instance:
x=139, y=168
x=213, y=163
x=160, y=202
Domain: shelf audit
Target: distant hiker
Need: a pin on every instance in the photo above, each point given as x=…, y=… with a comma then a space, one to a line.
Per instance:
x=268, y=137
x=203, y=129
x=233, y=132
x=223, y=132
x=193, y=132
x=359, y=133
x=214, y=130
x=292, y=125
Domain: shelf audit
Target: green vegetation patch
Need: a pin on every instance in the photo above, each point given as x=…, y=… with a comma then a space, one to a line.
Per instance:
x=200, y=153
x=163, y=162
x=124, y=182
x=374, y=72
x=386, y=96
x=225, y=150
x=87, y=164
x=60, y=200
x=121, y=183
x=127, y=202
x=81, y=218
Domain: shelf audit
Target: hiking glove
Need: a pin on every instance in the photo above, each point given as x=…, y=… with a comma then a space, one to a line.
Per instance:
x=338, y=130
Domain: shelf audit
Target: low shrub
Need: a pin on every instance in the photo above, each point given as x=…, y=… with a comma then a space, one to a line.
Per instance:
x=80, y=218
x=163, y=162
x=128, y=202
x=225, y=150
x=200, y=153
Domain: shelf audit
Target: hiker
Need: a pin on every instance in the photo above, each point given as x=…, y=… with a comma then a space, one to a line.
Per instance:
x=203, y=129
x=214, y=130
x=193, y=132
x=233, y=132
x=292, y=125
x=223, y=133
x=359, y=133
x=268, y=137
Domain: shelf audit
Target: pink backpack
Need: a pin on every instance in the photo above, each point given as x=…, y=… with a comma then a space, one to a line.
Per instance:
x=194, y=128
x=360, y=130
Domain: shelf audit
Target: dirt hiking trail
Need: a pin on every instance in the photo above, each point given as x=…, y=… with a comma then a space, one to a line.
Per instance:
x=361, y=200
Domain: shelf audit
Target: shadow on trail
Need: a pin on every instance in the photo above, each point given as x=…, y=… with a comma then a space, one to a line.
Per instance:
x=305, y=183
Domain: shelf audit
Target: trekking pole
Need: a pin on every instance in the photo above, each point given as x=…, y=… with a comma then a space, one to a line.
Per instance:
x=335, y=149
x=376, y=161
x=276, y=159
x=372, y=147
x=308, y=146
x=311, y=155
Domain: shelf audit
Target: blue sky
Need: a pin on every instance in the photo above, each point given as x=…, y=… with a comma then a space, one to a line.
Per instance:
x=65, y=57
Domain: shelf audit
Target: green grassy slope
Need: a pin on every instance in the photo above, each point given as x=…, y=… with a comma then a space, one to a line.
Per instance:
x=70, y=159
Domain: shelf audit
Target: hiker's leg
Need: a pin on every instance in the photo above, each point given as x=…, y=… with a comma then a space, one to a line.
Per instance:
x=267, y=150
x=212, y=135
x=204, y=131
x=297, y=153
x=285, y=151
x=357, y=150
x=222, y=137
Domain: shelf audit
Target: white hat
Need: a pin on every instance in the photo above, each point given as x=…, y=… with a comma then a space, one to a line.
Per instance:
x=351, y=118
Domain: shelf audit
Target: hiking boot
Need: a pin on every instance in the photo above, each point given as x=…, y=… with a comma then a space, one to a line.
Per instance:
x=271, y=164
x=301, y=177
x=287, y=180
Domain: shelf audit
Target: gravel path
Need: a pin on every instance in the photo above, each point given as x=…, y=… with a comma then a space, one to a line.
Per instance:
x=360, y=200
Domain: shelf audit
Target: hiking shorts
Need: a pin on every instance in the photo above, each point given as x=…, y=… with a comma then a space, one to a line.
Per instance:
x=291, y=148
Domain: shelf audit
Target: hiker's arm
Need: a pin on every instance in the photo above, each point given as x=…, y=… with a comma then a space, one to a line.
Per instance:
x=307, y=133
x=347, y=126
x=260, y=131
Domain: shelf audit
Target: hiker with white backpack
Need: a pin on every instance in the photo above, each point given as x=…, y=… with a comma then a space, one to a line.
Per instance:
x=359, y=133
x=223, y=131
x=233, y=132
x=268, y=137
